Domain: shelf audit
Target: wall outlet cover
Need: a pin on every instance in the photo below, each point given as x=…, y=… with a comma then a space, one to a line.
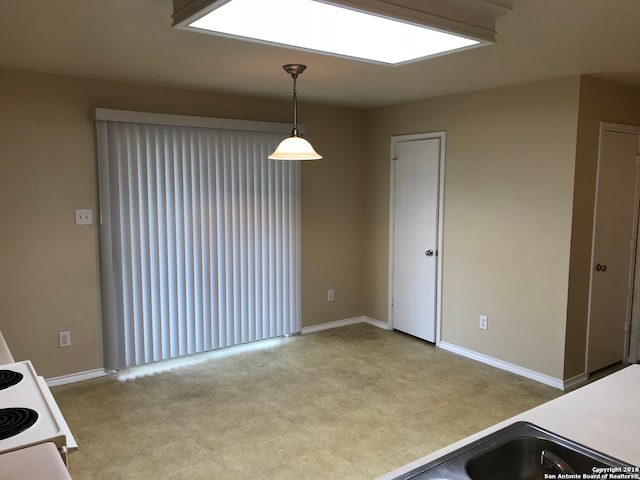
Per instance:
x=64, y=339
x=84, y=217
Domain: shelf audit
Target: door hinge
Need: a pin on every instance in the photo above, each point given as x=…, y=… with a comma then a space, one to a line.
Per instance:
x=393, y=159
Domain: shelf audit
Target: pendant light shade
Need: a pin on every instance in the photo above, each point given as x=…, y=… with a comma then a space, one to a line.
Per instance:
x=295, y=147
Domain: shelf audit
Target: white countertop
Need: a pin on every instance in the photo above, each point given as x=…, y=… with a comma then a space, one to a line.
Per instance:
x=604, y=415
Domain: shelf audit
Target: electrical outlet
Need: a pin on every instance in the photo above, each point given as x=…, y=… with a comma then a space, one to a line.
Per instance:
x=330, y=295
x=484, y=322
x=64, y=339
x=84, y=217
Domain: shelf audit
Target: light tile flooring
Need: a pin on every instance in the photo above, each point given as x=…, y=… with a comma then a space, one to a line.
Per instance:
x=349, y=403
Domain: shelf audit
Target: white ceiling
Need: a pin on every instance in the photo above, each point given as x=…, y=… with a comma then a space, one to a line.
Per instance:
x=133, y=41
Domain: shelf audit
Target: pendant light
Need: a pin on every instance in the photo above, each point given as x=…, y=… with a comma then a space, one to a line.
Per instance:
x=295, y=147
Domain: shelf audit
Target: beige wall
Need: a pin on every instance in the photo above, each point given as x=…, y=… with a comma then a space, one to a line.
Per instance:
x=509, y=210
x=49, y=276
x=332, y=224
x=510, y=156
x=600, y=101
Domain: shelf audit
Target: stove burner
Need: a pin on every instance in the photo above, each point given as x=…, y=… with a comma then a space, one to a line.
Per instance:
x=9, y=378
x=15, y=420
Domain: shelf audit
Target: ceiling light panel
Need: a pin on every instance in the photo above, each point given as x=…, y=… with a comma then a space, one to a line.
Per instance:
x=325, y=28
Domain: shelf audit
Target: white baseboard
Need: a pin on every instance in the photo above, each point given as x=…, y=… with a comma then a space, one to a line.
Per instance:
x=76, y=377
x=569, y=384
x=376, y=323
x=344, y=323
x=501, y=364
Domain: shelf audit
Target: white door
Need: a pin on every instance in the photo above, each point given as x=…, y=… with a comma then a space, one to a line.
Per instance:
x=614, y=244
x=415, y=235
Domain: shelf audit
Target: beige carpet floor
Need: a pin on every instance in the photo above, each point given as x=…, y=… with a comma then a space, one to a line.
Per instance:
x=348, y=403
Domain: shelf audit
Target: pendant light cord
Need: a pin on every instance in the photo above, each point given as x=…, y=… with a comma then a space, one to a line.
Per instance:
x=294, y=132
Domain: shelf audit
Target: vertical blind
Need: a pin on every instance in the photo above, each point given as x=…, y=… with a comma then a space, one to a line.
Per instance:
x=200, y=240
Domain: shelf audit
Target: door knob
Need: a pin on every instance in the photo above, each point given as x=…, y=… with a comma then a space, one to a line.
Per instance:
x=601, y=268
x=429, y=253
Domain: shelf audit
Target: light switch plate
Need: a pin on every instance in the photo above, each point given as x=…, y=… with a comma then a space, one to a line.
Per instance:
x=84, y=217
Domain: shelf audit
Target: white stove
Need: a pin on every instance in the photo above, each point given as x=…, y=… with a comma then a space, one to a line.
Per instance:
x=29, y=414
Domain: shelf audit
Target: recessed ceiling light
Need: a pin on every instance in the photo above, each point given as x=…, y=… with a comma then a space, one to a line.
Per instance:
x=322, y=27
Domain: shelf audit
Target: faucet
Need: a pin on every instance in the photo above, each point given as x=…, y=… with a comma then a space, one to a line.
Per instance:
x=556, y=462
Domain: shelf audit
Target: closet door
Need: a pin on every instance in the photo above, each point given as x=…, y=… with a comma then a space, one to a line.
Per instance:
x=415, y=236
x=614, y=245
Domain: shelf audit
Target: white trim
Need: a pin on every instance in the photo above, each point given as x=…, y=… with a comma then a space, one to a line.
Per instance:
x=392, y=207
x=480, y=26
x=502, y=365
x=148, y=118
x=442, y=136
x=376, y=323
x=477, y=23
x=343, y=323
x=632, y=342
x=620, y=128
x=77, y=377
x=334, y=324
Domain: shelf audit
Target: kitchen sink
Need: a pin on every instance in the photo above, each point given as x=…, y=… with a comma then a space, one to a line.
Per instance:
x=523, y=457
x=521, y=451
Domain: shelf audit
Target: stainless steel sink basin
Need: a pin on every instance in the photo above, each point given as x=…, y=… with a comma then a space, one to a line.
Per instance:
x=521, y=451
x=522, y=458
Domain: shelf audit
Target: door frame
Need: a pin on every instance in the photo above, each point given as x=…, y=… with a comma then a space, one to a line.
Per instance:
x=632, y=340
x=633, y=315
x=395, y=139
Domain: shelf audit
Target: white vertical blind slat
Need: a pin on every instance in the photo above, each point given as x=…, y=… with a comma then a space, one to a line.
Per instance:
x=200, y=244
